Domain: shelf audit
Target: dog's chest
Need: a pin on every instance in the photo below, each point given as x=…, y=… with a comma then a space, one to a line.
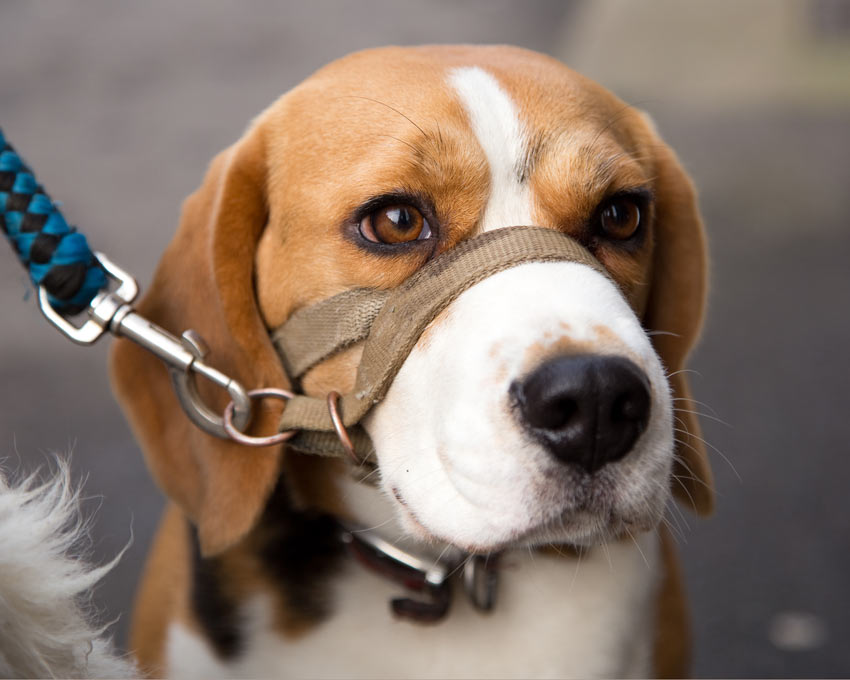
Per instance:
x=555, y=617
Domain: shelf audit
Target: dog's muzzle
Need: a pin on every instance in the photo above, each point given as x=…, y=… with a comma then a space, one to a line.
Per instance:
x=391, y=322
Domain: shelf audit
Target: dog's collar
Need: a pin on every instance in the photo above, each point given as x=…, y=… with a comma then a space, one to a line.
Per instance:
x=428, y=576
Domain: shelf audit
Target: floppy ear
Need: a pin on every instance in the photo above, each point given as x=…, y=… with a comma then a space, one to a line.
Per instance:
x=205, y=282
x=675, y=311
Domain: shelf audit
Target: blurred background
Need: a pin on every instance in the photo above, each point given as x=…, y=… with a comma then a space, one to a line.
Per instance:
x=119, y=107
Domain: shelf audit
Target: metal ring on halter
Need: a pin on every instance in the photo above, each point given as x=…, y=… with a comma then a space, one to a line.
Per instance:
x=339, y=426
x=247, y=440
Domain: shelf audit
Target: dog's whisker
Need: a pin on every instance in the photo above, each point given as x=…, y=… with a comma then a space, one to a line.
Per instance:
x=575, y=572
x=675, y=532
x=369, y=475
x=659, y=486
x=713, y=448
x=696, y=402
x=676, y=409
x=559, y=552
x=618, y=115
x=443, y=552
x=684, y=463
x=678, y=516
x=637, y=545
x=401, y=141
x=684, y=486
x=693, y=476
x=459, y=567
x=604, y=546
x=684, y=370
x=391, y=108
x=372, y=528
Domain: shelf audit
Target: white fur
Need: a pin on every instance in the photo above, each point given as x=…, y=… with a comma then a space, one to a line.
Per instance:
x=556, y=617
x=46, y=627
x=450, y=447
x=500, y=133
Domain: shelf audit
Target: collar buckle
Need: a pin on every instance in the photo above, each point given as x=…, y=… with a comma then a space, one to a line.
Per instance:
x=481, y=580
x=425, y=575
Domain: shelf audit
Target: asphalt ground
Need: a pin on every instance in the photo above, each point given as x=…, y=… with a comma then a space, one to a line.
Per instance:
x=119, y=107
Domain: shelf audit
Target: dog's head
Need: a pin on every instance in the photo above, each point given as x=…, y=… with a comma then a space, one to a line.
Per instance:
x=547, y=403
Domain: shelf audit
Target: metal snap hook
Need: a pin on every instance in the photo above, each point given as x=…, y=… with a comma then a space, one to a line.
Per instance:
x=183, y=380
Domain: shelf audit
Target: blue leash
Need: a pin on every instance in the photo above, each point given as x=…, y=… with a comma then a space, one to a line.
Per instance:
x=72, y=279
x=55, y=254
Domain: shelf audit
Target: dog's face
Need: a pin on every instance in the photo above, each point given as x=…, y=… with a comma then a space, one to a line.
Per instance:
x=536, y=407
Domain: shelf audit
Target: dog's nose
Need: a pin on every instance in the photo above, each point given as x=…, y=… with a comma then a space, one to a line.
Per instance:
x=586, y=409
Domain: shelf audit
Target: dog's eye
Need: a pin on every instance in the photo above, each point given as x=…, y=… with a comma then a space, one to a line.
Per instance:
x=395, y=224
x=620, y=218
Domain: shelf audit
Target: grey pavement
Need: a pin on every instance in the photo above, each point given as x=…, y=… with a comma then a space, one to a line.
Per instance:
x=119, y=106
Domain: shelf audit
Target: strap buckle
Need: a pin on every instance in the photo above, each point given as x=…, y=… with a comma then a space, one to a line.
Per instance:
x=112, y=311
x=426, y=575
x=480, y=580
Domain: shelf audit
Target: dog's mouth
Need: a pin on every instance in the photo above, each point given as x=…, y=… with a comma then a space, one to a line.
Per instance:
x=493, y=485
x=579, y=510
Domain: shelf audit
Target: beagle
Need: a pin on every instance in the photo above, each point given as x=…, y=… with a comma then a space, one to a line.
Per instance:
x=542, y=418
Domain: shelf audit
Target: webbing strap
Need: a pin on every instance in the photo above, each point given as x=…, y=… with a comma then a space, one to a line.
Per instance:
x=319, y=443
x=406, y=312
x=315, y=333
x=56, y=256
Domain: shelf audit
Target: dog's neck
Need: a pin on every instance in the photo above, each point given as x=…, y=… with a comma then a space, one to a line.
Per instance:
x=369, y=507
x=329, y=486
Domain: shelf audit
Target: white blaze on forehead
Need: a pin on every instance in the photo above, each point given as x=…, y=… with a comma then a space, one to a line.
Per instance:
x=496, y=124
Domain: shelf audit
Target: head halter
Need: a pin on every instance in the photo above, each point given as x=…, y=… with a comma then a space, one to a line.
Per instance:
x=391, y=322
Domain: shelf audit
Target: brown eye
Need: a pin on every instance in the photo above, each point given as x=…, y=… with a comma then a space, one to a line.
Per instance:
x=395, y=224
x=620, y=218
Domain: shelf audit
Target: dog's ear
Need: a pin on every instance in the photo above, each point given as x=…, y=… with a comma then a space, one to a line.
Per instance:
x=674, y=316
x=205, y=282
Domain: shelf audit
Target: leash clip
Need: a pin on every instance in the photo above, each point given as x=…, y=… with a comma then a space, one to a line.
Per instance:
x=101, y=310
x=112, y=311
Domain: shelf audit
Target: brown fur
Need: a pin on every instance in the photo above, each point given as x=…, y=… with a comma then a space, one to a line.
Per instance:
x=163, y=595
x=672, y=651
x=264, y=236
x=551, y=346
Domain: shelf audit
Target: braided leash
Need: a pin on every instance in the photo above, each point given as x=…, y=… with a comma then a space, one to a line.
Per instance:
x=71, y=279
x=55, y=254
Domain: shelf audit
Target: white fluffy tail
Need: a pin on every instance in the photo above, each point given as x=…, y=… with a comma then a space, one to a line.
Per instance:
x=46, y=627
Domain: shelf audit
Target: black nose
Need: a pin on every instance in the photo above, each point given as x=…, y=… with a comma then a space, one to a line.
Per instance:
x=586, y=409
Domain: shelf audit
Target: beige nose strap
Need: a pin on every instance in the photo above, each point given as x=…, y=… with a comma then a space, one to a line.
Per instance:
x=316, y=333
x=391, y=322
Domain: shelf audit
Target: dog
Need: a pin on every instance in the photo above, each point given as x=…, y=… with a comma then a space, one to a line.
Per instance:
x=46, y=618
x=543, y=417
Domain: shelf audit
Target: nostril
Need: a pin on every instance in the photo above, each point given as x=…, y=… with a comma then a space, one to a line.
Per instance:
x=543, y=402
x=555, y=415
x=630, y=407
